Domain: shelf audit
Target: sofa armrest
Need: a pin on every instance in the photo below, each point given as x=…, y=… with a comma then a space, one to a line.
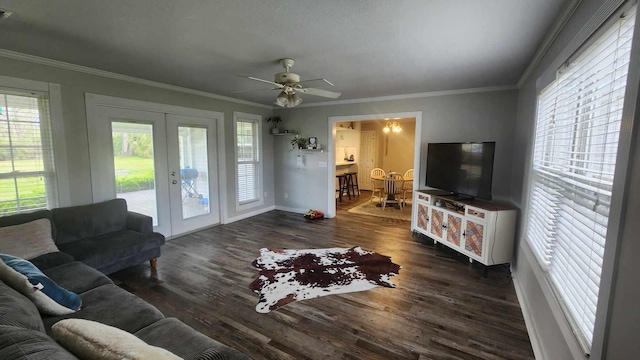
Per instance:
x=139, y=222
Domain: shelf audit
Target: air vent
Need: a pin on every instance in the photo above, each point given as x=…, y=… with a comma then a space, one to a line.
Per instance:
x=5, y=13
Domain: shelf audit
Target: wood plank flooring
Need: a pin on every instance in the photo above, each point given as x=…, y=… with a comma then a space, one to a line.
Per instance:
x=442, y=308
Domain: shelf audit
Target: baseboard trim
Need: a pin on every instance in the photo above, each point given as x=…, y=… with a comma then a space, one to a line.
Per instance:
x=249, y=214
x=528, y=318
x=290, y=209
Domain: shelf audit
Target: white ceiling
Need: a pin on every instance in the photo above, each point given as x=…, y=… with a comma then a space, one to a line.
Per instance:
x=367, y=48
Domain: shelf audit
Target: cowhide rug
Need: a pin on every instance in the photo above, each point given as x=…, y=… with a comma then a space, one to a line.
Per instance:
x=291, y=275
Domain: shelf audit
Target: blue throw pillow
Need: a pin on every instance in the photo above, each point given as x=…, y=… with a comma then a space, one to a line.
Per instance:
x=48, y=297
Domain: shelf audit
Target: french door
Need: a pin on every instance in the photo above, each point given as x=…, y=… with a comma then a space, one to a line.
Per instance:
x=164, y=165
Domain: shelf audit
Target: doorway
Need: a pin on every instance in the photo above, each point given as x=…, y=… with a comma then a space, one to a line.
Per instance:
x=164, y=164
x=373, y=141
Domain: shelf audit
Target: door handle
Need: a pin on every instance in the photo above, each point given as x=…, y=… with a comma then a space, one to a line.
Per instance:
x=174, y=182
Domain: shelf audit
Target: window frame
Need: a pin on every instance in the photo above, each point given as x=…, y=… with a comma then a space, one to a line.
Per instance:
x=255, y=120
x=619, y=188
x=56, y=124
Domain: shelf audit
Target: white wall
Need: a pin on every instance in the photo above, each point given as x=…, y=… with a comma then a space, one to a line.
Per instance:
x=618, y=334
x=484, y=116
x=73, y=86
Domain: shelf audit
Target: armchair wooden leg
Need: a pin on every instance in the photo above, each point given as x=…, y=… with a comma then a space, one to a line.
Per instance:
x=153, y=262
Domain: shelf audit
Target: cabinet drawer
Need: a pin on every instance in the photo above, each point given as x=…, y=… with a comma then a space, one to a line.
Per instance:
x=424, y=197
x=476, y=213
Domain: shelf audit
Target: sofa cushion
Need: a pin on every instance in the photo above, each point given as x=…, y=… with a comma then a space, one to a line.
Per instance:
x=28, y=240
x=113, y=306
x=93, y=340
x=104, y=249
x=17, y=310
x=48, y=297
x=79, y=222
x=77, y=277
x=27, y=217
x=50, y=260
x=184, y=341
x=18, y=343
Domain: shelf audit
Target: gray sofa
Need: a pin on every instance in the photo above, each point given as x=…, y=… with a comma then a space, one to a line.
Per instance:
x=95, y=240
x=105, y=236
x=26, y=334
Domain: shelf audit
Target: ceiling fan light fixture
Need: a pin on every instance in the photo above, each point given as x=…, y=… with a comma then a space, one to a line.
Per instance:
x=295, y=100
x=282, y=99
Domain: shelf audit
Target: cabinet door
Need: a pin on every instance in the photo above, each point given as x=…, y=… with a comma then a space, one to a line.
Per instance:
x=454, y=229
x=474, y=239
x=436, y=223
x=422, y=218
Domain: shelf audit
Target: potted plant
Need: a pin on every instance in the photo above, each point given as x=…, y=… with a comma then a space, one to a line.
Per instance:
x=275, y=120
x=298, y=143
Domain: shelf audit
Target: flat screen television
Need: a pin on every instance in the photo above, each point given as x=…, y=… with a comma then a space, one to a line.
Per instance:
x=465, y=169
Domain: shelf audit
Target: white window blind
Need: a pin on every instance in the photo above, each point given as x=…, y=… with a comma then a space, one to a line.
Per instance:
x=27, y=172
x=247, y=161
x=574, y=159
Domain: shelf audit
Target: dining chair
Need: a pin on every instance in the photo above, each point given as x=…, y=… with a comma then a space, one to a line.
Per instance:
x=377, y=185
x=377, y=172
x=393, y=189
x=408, y=185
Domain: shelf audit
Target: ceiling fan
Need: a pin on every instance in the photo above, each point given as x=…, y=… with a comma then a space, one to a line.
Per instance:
x=289, y=85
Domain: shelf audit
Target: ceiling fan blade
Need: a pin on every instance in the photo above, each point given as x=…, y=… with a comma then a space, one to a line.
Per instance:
x=320, y=92
x=325, y=80
x=244, y=91
x=280, y=86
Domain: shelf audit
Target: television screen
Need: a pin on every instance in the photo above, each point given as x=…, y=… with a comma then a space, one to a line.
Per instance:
x=461, y=168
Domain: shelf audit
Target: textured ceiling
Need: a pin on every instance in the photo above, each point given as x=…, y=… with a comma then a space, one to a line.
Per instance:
x=365, y=48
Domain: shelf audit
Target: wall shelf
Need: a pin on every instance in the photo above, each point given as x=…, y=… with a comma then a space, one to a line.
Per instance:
x=312, y=150
x=283, y=134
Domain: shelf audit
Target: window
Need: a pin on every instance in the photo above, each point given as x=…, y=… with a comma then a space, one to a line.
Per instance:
x=574, y=158
x=248, y=160
x=27, y=171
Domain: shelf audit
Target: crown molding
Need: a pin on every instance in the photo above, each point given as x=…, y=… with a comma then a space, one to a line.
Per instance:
x=409, y=96
x=549, y=40
x=87, y=70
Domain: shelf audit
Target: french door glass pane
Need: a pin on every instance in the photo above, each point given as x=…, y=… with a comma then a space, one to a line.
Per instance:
x=134, y=167
x=194, y=171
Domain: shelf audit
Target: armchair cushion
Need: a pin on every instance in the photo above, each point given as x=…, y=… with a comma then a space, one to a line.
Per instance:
x=17, y=310
x=19, y=344
x=50, y=260
x=112, y=305
x=100, y=250
x=77, y=277
x=79, y=222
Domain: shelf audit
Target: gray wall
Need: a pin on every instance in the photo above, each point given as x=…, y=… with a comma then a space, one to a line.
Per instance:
x=73, y=86
x=485, y=116
x=622, y=326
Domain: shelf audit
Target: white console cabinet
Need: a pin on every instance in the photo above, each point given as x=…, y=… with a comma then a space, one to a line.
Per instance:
x=482, y=230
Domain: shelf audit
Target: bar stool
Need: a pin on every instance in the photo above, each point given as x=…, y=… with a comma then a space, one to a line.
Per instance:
x=343, y=185
x=353, y=183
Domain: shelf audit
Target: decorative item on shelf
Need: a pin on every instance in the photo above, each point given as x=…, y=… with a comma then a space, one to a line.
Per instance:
x=313, y=143
x=298, y=143
x=275, y=120
x=392, y=126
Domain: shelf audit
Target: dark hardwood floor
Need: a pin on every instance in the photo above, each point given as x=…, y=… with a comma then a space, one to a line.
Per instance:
x=443, y=306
